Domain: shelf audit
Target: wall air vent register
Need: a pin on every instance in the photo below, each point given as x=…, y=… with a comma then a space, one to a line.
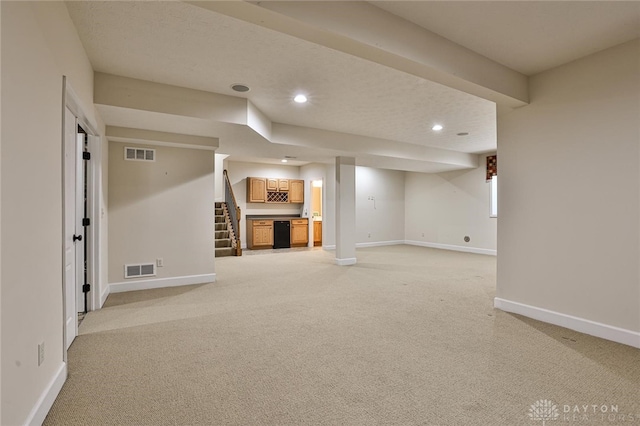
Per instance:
x=140, y=270
x=139, y=154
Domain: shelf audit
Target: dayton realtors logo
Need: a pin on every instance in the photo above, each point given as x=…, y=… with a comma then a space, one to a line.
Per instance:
x=543, y=410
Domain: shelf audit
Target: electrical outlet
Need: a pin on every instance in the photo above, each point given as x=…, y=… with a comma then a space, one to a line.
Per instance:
x=40, y=354
x=159, y=262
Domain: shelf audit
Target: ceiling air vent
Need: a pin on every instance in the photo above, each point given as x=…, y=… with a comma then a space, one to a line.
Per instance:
x=139, y=154
x=140, y=270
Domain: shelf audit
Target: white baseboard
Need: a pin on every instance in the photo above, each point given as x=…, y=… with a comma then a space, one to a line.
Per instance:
x=372, y=244
x=604, y=331
x=465, y=249
x=47, y=398
x=104, y=295
x=346, y=262
x=161, y=283
x=380, y=243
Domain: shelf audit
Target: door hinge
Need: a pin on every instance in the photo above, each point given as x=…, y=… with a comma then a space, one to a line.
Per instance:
x=86, y=288
x=86, y=155
x=86, y=222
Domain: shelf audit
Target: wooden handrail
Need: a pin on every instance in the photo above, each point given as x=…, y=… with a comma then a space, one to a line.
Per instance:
x=235, y=222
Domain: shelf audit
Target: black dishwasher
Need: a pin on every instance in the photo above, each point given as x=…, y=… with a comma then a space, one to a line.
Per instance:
x=281, y=234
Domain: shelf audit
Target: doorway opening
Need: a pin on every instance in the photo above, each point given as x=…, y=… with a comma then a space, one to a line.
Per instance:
x=316, y=211
x=81, y=219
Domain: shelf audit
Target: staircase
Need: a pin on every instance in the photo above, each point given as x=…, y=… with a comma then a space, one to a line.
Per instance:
x=222, y=233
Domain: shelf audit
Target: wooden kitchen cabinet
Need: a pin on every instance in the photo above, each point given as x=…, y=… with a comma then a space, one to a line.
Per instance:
x=317, y=233
x=272, y=184
x=296, y=191
x=256, y=190
x=259, y=234
x=283, y=185
x=274, y=190
x=299, y=232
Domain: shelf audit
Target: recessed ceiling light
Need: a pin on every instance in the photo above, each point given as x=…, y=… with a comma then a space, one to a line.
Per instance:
x=284, y=160
x=437, y=127
x=240, y=88
x=300, y=98
x=462, y=133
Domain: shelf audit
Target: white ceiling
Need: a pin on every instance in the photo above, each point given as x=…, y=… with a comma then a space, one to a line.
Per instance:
x=180, y=44
x=527, y=36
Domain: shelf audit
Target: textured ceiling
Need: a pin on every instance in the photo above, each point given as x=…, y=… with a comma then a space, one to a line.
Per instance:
x=527, y=36
x=184, y=45
x=179, y=44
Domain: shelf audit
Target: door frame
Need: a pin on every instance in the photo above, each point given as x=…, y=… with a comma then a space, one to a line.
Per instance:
x=310, y=207
x=94, y=190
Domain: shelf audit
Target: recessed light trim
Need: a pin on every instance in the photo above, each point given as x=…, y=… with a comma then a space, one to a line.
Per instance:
x=300, y=98
x=437, y=127
x=242, y=88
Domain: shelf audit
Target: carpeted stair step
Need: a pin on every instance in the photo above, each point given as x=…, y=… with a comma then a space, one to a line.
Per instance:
x=222, y=235
x=219, y=212
x=226, y=242
x=225, y=251
x=221, y=226
x=219, y=219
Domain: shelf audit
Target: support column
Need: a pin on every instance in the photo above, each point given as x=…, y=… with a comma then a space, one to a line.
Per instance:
x=345, y=211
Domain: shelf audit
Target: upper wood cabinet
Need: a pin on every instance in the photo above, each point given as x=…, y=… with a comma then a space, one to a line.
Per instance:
x=256, y=190
x=272, y=184
x=296, y=191
x=273, y=190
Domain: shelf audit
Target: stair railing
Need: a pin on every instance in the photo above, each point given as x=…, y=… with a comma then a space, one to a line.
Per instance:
x=234, y=213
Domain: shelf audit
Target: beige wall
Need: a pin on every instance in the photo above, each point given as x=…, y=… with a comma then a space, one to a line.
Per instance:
x=380, y=220
x=39, y=46
x=161, y=209
x=443, y=208
x=568, y=228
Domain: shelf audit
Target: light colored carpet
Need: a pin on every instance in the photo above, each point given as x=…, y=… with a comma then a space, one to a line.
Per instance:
x=407, y=336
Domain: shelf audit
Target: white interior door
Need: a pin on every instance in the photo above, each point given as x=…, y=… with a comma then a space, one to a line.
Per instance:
x=80, y=213
x=72, y=246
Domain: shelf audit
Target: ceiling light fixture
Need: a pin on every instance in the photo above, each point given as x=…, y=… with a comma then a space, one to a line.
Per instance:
x=284, y=160
x=300, y=98
x=240, y=88
x=437, y=127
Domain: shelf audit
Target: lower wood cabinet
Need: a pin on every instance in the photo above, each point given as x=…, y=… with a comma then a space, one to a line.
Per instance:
x=259, y=233
x=299, y=232
x=317, y=233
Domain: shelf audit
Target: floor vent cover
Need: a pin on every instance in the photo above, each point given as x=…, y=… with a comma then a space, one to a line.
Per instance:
x=140, y=270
